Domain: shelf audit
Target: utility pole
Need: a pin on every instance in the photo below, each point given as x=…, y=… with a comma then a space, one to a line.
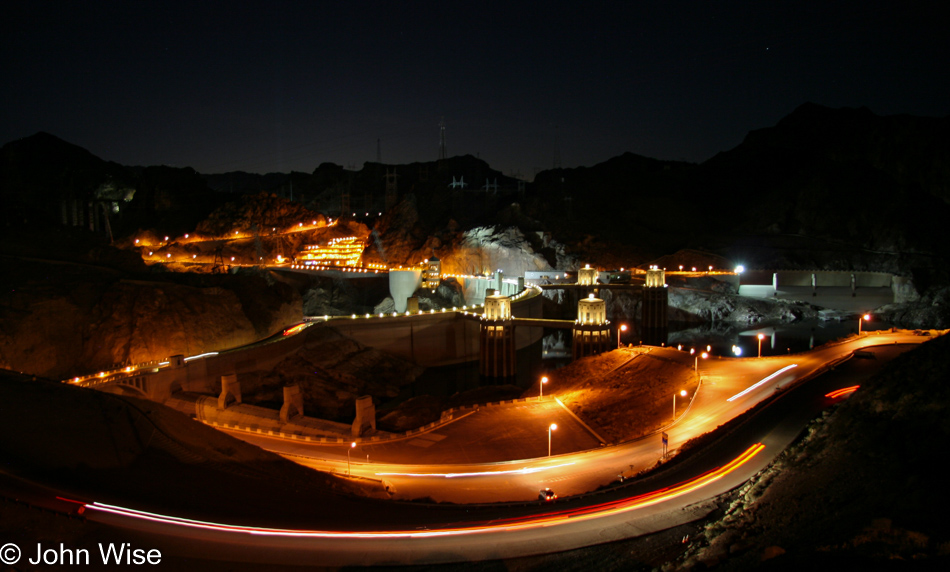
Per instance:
x=442, y=151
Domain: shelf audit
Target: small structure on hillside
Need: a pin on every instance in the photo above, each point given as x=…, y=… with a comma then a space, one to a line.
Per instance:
x=591, y=331
x=497, y=338
x=432, y=275
x=365, y=416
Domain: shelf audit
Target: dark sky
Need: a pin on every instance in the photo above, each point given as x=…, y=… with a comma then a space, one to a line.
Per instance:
x=275, y=86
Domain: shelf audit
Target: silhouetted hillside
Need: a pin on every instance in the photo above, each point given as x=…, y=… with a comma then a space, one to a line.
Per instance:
x=828, y=188
x=46, y=181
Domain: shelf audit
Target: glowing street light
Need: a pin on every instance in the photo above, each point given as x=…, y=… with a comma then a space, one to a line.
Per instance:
x=551, y=427
x=683, y=393
x=863, y=318
x=544, y=380
x=703, y=355
x=352, y=445
x=622, y=328
x=761, y=337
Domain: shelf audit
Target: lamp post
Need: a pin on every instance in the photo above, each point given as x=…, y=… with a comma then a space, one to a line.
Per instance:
x=551, y=427
x=352, y=445
x=544, y=380
x=703, y=355
x=622, y=328
x=683, y=393
x=762, y=337
x=863, y=318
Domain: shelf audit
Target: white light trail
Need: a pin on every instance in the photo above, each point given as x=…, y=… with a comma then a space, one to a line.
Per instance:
x=189, y=358
x=524, y=471
x=748, y=389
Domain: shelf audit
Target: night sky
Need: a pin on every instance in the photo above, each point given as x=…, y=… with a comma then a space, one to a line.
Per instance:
x=275, y=86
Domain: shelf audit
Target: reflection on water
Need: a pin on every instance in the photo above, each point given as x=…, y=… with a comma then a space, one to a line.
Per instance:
x=779, y=338
x=553, y=351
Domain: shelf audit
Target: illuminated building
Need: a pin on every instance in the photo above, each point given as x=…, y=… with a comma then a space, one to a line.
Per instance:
x=653, y=318
x=346, y=251
x=497, y=338
x=587, y=276
x=591, y=331
x=433, y=273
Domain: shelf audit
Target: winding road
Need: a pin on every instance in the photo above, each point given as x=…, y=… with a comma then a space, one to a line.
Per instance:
x=416, y=533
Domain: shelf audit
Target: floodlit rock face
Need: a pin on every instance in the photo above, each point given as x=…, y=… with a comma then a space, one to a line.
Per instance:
x=929, y=311
x=406, y=241
x=62, y=320
x=138, y=322
x=486, y=249
x=262, y=211
x=701, y=306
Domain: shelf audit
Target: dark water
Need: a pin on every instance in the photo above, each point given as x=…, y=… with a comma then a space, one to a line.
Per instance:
x=553, y=351
x=448, y=380
x=779, y=338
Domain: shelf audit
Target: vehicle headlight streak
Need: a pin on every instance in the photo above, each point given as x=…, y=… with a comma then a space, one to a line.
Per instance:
x=549, y=519
x=748, y=389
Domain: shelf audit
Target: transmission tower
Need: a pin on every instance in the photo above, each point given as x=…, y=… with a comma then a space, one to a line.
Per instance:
x=379, y=151
x=557, y=151
x=442, y=153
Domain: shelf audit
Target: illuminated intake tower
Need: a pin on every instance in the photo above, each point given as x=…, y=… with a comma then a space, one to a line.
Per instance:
x=497, y=338
x=654, y=322
x=591, y=331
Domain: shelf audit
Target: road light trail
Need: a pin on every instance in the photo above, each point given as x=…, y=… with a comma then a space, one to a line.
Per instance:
x=748, y=389
x=517, y=523
x=522, y=471
x=843, y=391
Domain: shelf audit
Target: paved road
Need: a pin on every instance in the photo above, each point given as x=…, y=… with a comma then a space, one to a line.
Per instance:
x=389, y=533
x=730, y=387
x=458, y=533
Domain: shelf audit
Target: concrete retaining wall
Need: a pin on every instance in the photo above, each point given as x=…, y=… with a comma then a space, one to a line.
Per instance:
x=831, y=278
x=442, y=338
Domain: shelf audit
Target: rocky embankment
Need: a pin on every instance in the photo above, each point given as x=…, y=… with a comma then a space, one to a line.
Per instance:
x=64, y=318
x=863, y=487
x=932, y=310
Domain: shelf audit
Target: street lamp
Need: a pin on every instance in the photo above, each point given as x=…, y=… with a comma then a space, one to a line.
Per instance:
x=683, y=393
x=762, y=337
x=541, y=385
x=622, y=328
x=703, y=355
x=352, y=445
x=863, y=318
x=551, y=427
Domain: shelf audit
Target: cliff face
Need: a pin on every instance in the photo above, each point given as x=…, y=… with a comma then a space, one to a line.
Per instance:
x=405, y=240
x=64, y=319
